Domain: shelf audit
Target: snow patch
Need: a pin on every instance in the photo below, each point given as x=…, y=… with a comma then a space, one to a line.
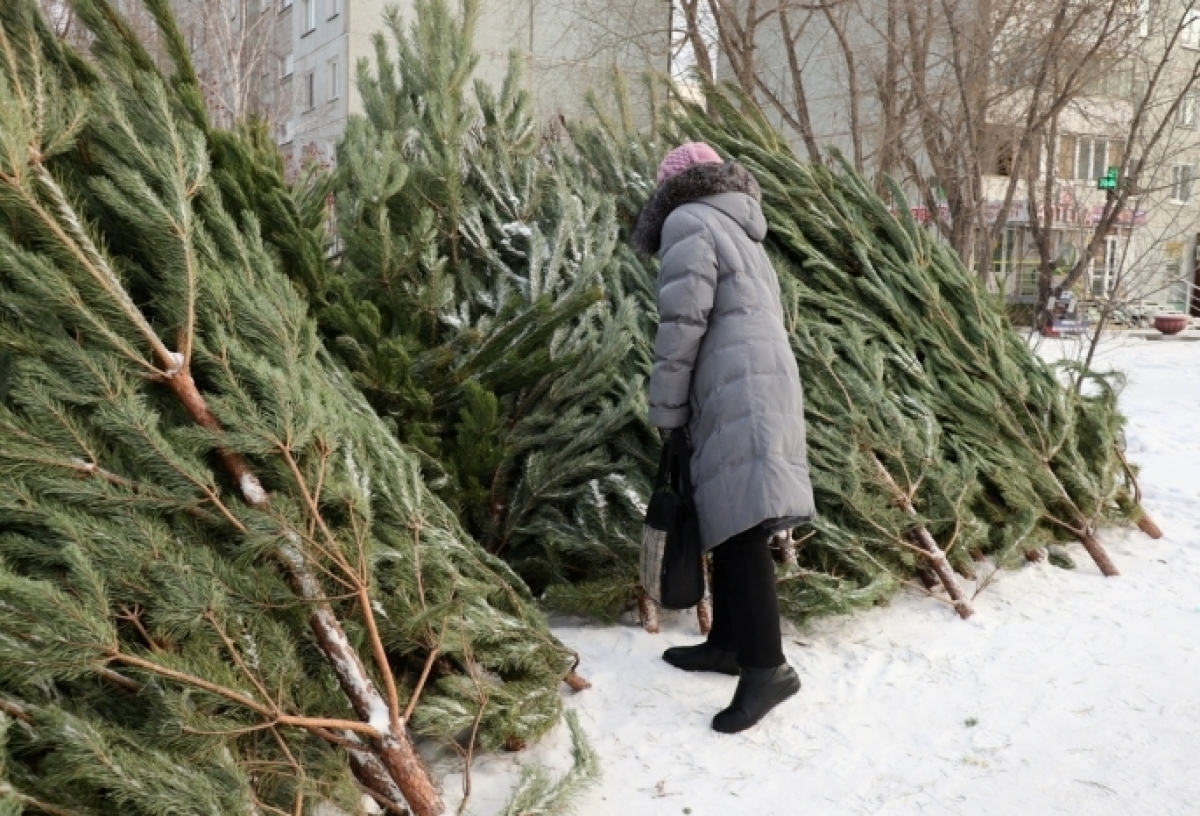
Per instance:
x=380, y=717
x=517, y=228
x=252, y=489
x=1067, y=693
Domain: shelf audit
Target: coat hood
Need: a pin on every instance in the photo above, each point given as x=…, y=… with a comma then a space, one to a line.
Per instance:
x=729, y=188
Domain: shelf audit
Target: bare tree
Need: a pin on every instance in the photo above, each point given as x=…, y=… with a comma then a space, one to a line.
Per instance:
x=233, y=43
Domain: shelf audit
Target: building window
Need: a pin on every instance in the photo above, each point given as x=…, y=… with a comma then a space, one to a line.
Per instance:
x=1087, y=158
x=310, y=90
x=1116, y=82
x=285, y=4
x=1104, y=267
x=286, y=132
x=1185, y=114
x=1181, y=182
x=310, y=16
x=1189, y=34
x=1143, y=18
x=286, y=66
x=1177, y=285
x=335, y=80
x=335, y=8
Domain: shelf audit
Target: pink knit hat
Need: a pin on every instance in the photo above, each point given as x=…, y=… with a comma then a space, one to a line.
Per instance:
x=685, y=156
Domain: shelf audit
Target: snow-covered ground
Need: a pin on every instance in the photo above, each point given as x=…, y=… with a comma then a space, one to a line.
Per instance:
x=1067, y=693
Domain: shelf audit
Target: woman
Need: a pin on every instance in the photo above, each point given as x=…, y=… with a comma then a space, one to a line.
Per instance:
x=723, y=368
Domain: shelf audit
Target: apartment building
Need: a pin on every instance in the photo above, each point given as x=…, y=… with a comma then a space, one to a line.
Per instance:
x=1148, y=261
x=295, y=60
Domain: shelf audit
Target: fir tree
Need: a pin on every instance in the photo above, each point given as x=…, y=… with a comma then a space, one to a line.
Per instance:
x=477, y=304
x=226, y=586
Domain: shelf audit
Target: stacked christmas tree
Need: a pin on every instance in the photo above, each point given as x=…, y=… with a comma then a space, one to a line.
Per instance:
x=478, y=302
x=225, y=585
x=936, y=436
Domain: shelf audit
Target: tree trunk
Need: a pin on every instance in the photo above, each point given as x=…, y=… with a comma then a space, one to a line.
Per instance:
x=921, y=537
x=1147, y=526
x=941, y=567
x=394, y=749
x=647, y=612
x=1096, y=551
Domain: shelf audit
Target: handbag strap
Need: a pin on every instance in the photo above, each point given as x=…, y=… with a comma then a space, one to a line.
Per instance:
x=664, y=464
x=681, y=462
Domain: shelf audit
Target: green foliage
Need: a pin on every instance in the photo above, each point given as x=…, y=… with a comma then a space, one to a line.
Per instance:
x=152, y=641
x=479, y=304
x=537, y=793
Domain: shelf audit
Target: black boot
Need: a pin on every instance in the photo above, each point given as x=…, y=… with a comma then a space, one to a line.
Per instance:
x=702, y=657
x=758, y=691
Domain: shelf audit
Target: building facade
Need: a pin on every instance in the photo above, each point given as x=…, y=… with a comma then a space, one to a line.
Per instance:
x=296, y=59
x=858, y=79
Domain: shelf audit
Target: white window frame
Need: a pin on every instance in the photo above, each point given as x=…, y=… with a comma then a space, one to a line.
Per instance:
x=1189, y=35
x=1085, y=147
x=335, y=79
x=287, y=132
x=1183, y=178
x=1107, y=274
x=1185, y=114
x=284, y=5
x=287, y=65
x=310, y=90
x=1177, y=291
x=335, y=8
x=310, y=17
x=1143, y=18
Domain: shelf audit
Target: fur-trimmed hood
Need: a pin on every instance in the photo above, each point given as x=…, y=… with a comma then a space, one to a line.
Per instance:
x=730, y=188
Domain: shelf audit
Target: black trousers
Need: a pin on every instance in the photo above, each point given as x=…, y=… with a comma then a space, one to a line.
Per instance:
x=745, y=606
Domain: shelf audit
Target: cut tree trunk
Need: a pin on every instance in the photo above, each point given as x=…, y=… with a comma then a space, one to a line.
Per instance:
x=704, y=609
x=1096, y=551
x=921, y=537
x=941, y=567
x=647, y=612
x=576, y=682
x=395, y=751
x=1143, y=520
x=787, y=549
x=704, y=615
x=1147, y=526
x=927, y=577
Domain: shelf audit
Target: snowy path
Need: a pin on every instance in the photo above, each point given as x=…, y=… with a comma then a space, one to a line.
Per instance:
x=1066, y=694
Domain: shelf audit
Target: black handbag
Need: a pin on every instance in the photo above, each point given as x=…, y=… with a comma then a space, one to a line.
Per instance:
x=672, y=558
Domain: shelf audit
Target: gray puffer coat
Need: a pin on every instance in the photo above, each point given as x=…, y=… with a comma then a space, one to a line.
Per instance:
x=722, y=362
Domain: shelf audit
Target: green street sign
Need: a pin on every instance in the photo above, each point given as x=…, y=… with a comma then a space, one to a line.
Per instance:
x=1109, y=180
